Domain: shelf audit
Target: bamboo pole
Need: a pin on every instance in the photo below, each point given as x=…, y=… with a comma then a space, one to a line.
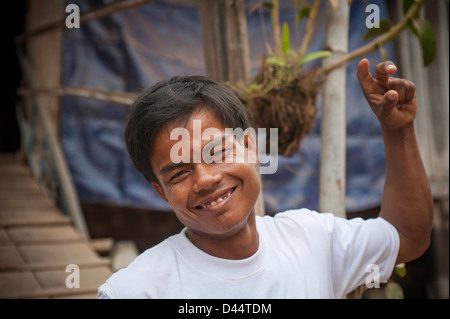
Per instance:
x=333, y=120
x=116, y=97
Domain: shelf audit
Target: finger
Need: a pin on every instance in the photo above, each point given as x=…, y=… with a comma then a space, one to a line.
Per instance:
x=383, y=71
x=363, y=74
x=410, y=91
x=399, y=86
x=390, y=99
x=405, y=89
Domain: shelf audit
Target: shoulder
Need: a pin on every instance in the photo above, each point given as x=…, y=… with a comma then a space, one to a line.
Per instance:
x=300, y=225
x=326, y=222
x=298, y=219
x=324, y=227
x=142, y=275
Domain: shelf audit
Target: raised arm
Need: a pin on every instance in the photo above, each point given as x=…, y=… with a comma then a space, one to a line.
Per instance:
x=407, y=202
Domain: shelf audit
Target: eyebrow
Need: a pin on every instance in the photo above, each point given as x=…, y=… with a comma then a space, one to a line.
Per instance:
x=170, y=167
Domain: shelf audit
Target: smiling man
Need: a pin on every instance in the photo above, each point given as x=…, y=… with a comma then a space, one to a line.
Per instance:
x=214, y=201
x=225, y=251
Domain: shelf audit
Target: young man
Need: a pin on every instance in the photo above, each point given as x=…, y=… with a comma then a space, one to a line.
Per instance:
x=225, y=251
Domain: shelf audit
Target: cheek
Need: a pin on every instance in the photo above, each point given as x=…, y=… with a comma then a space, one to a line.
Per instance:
x=176, y=196
x=253, y=179
x=249, y=177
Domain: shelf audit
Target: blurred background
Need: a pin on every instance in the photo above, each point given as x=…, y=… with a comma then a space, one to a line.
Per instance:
x=83, y=80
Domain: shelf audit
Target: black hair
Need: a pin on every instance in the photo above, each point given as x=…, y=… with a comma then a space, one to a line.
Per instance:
x=174, y=100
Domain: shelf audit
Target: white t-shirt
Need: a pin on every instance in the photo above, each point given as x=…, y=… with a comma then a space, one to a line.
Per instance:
x=302, y=254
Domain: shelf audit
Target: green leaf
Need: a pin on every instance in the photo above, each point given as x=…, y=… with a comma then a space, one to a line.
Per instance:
x=303, y=13
x=285, y=46
x=315, y=55
x=385, y=25
x=407, y=5
x=400, y=270
x=254, y=88
x=427, y=41
x=423, y=30
x=276, y=60
x=414, y=27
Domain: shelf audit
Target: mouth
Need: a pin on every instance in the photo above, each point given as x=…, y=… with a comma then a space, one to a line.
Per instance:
x=217, y=201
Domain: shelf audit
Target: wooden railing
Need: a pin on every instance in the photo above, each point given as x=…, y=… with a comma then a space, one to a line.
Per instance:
x=45, y=155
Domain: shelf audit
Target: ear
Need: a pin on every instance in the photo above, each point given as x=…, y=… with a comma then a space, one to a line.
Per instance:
x=250, y=145
x=160, y=192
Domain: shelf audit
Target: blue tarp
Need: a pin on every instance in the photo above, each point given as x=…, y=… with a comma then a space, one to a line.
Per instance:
x=131, y=50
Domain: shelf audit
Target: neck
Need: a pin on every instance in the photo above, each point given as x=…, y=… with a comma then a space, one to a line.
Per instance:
x=239, y=244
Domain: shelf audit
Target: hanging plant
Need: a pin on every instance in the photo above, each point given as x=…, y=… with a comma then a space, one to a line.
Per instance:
x=283, y=94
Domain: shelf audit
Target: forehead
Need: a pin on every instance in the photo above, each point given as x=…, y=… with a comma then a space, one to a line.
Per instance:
x=199, y=121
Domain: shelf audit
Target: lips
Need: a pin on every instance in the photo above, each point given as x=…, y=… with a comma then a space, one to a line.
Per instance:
x=216, y=200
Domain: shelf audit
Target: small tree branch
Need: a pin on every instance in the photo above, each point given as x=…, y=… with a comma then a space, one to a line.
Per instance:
x=309, y=29
x=379, y=41
x=274, y=16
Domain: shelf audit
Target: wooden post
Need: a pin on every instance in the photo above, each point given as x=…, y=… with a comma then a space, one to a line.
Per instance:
x=45, y=51
x=333, y=125
x=225, y=42
x=225, y=47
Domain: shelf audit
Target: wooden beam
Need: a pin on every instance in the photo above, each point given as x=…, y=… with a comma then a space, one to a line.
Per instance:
x=31, y=219
x=115, y=97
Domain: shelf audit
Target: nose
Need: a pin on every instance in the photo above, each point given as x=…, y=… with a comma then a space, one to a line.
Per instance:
x=205, y=177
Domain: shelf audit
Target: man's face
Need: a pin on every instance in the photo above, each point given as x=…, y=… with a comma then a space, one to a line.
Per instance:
x=212, y=199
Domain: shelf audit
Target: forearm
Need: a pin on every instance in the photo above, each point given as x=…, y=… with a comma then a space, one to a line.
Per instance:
x=407, y=201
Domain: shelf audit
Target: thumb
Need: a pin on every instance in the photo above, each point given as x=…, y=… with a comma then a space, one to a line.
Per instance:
x=390, y=99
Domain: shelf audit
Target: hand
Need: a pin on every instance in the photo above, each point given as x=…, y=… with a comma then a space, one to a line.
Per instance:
x=392, y=100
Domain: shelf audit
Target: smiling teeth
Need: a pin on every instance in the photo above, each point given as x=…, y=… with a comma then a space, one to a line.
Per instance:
x=217, y=201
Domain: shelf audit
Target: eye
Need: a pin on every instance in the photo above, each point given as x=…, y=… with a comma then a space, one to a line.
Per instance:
x=226, y=146
x=221, y=154
x=180, y=173
x=221, y=151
